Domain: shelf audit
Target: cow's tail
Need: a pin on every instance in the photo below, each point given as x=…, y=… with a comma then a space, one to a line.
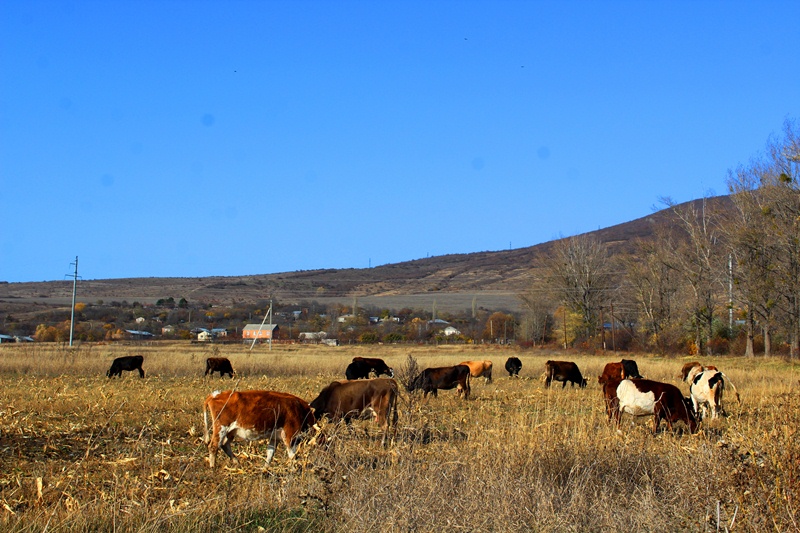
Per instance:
x=729, y=382
x=206, y=409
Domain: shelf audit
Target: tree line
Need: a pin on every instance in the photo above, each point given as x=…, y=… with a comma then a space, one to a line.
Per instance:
x=722, y=277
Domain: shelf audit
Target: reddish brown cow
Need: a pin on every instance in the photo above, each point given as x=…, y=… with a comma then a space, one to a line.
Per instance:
x=255, y=415
x=349, y=399
x=627, y=368
x=563, y=371
x=644, y=397
x=480, y=368
x=444, y=377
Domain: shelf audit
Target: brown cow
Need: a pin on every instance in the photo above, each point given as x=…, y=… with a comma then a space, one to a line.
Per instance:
x=219, y=364
x=255, y=415
x=480, y=368
x=444, y=377
x=563, y=371
x=627, y=368
x=644, y=397
x=349, y=399
x=610, y=398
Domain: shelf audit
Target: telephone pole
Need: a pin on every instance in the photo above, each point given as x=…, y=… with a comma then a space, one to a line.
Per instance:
x=74, y=290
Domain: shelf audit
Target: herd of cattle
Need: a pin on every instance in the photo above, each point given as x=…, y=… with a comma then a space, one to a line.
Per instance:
x=277, y=416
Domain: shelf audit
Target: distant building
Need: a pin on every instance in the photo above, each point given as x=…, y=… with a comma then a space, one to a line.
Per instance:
x=450, y=330
x=258, y=331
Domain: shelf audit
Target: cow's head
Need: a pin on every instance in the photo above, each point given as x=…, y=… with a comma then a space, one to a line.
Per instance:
x=415, y=383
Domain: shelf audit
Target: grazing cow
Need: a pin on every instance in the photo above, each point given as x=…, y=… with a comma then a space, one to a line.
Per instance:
x=563, y=371
x=690, y=370
x=706, y=390
x=445, y=377
x=349, y=399
x=644, y=397
x=255, y=415
x=362, y=366
x=219, y=364
x=625, y=369
x=480, y=368
x=129, y=362
x=513, y=366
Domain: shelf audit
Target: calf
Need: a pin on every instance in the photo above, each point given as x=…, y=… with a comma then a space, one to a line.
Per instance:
x=625, y=369
x=480, y=368
x=128, y=362
x=362, y=366
x=349, y=399
x=644, y=397
x=513, y=366
x=255, y=415
x=219, y=364
x=563, y=371
x=445, y=377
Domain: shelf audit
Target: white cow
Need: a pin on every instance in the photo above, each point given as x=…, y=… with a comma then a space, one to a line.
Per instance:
x=706, y=388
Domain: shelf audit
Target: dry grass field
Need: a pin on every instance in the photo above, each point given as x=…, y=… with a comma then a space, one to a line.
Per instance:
x=80, y=452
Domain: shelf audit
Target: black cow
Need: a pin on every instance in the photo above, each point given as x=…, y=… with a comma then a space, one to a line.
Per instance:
x=219, y=364
x=445, y=377
x=513, y=366
x=362, y=366
x=563, y=371
x=631, y=369
x=129, y=362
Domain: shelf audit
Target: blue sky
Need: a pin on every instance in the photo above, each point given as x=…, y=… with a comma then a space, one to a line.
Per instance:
x=185, y=138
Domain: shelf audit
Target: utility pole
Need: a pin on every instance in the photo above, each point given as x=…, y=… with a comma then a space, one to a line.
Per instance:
x=258, y=332
x=730, y=294
x=74, y=290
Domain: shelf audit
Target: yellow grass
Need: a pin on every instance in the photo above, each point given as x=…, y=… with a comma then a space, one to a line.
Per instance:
x=80, y=452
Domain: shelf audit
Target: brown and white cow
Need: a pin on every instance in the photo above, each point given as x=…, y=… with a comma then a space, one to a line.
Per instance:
x=563, y=371
x=643, y=397
x=255, y=415
x=625, y=369
x=444, y=377
x=480, y=368
x=690, y=370
x=346, y=400
x=219, y=364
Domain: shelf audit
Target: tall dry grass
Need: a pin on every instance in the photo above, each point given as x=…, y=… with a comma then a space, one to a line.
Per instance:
x=81, y=452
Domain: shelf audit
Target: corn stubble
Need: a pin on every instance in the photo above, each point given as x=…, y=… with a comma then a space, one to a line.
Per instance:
x=80, y=452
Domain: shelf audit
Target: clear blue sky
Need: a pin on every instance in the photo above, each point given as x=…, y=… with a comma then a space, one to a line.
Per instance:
x=188, y=138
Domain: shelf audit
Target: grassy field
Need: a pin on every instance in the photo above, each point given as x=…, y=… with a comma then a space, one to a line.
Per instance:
x=80, y=452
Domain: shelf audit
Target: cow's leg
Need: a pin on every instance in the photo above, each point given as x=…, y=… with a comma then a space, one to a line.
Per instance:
x=141, y=372
x=564, y=384
x=225, y=439
x=547, y=381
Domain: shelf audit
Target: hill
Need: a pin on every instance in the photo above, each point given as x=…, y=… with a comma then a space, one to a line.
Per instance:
x=450, y=282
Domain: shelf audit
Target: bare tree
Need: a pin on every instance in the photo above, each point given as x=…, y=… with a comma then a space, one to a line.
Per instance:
x=697, y=255
x=766, y=238
x=654, y=287
x=579, y=274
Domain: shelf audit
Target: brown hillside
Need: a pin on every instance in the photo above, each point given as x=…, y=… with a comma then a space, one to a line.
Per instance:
x=451, y=282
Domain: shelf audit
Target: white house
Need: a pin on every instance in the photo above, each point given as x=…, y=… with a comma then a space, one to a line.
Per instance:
x=450, y=330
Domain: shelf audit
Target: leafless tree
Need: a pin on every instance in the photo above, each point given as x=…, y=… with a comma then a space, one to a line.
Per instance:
x=697, y=255
x=579, y=273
